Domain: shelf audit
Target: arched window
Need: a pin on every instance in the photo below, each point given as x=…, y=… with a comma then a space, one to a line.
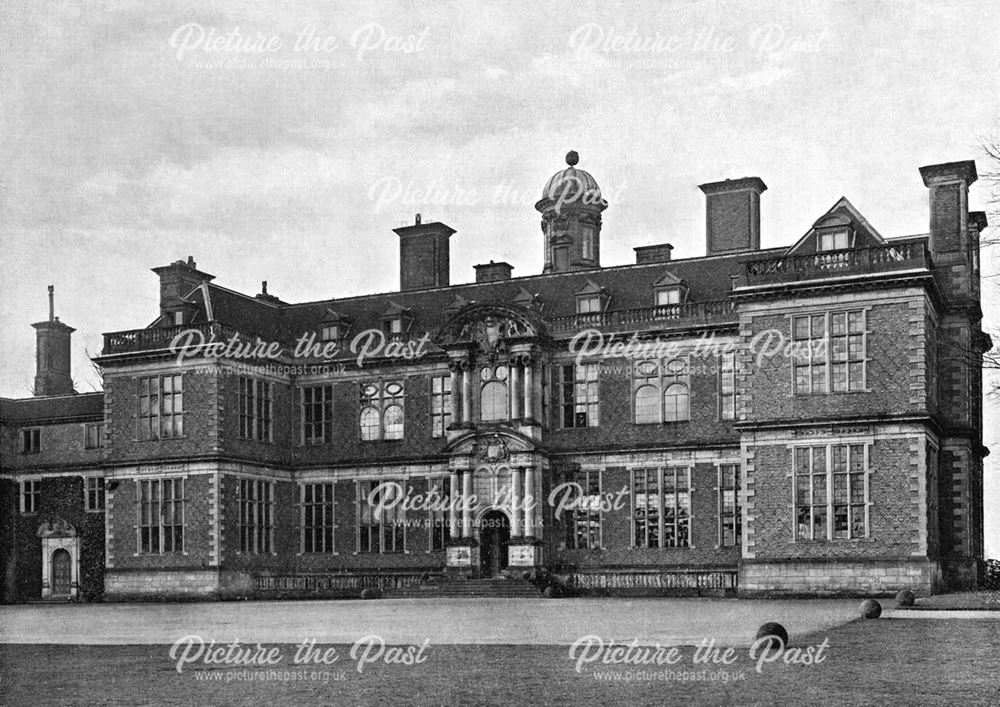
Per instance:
x=369, y=424
x=393, y=422
x=647, y=404
x=675, y=403
x=493, y=402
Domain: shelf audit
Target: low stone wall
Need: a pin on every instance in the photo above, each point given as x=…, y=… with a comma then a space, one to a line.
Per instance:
x=122, y=585
x=861, y=578
x=645, y=583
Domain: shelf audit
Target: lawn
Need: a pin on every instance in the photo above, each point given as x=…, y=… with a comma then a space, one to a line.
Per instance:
x=883, y=662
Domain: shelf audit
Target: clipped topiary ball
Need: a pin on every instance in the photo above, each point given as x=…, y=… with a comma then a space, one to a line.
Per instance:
x=905, y=598
x=526, y=575
x=775, y=630
x=870, y=609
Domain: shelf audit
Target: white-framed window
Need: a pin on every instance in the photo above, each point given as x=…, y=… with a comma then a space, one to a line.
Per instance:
x=832, y=241
x=93, y=493
x=381, y=414
x=831, y=491
x=439, y=495
x=830, y=352
x=330, y=332
x=316, y=504
x=494, y=403
x=727, y=385
x=31, y=440
x=160, y=516
x=580, y=389
x=93, y=435
x=583, y=520
x=29, y=492
x=317, y=414
x=256, y=522
x=381, y=522
x=661, y=391
x=588, y=304
x=161, y=407
x=255, y=409
x=669, y=295
x=393, y=325
x=661, y=507
x=730, y=511
x=440, y=405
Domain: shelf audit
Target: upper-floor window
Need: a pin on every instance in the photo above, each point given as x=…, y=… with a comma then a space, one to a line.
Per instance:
x=93, y=435
x=93, y=493
x=831, y=492
x=583, y=519
x=161, y=407
x=830, y=352
x=836, y=240
x=588, y=304
x=494, y=402
x=382, y=410
x=587, y=242
x=317, y=414
x=255, y=408
x=730, y=513
x=661, y=390
x=669, y=295
x=579, y=386
x=440, y=404
x=727, y=385
x=31, y=440
x=661, y=507
x=29, y=495
x=256, y=521
x=316, y=519
x=330, y=332
x=160, y=515
x=439, y=495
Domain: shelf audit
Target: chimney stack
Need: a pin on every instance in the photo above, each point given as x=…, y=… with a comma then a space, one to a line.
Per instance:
x=52, y=354
x=949, y=204
x=176, y=281
x=659, y=253
x=491, y=272
x=732, y=214
x=423, y=254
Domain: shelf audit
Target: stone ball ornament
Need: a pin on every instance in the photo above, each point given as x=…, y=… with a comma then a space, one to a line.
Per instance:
x=774, y=630
x=905, y=598
x=870, y=609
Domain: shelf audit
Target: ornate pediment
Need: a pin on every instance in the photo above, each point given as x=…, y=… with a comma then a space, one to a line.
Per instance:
x=492, y=447
x=490, y=327
x=58, y=529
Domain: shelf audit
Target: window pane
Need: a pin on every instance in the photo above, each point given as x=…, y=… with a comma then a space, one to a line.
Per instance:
x=647, y=404
x=394, y=422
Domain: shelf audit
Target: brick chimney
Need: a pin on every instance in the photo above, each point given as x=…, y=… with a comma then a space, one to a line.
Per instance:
x=732, y=214
x=949, y=204
x=659, y=253
x=423, y=255
x=52, y=354
x=176, y=281
x=491, y=272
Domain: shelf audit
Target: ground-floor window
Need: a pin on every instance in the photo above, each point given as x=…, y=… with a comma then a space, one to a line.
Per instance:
x=256, y=526
x=730, y=513
x=316, y=504
x=93, y=493
x=583, y=520
x=29, y=495
x=831, y=492
x=381, y=520
x=661, y=507
x=439, y=496
x=161, y=515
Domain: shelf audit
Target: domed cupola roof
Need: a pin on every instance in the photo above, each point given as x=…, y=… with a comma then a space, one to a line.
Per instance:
x=572, y=186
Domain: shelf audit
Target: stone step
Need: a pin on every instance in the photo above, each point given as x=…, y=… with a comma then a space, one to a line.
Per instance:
x=471, y=588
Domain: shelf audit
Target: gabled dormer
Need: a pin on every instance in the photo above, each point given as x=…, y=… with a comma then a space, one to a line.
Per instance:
x=669, y=290
x=841, y=228
x=334, y=325
x=396, y=319
x=456, y=303
x=525, y=299
x=591, y=298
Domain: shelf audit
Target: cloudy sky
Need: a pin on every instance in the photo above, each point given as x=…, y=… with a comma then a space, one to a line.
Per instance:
x=285, y=144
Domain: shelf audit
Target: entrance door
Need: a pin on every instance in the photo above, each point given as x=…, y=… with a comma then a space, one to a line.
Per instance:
x=62, y=574
x=494, y=536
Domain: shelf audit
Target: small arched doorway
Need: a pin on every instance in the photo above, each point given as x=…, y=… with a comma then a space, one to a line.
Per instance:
x=62, y=573
x=494, y=537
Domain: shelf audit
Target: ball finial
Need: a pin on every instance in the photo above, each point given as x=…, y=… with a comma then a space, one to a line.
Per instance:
x=572, y=158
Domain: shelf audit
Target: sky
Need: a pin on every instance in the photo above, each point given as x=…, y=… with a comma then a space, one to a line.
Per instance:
x=282, y=142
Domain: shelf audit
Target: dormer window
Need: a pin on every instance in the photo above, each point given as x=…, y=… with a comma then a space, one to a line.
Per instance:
x=395, y=326
x=834, y=240
x=669, y=295
x=591, y=298
x=331, y=332
x=396, y=319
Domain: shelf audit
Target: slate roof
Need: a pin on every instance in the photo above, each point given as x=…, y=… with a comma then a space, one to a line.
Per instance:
x=53, y=408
